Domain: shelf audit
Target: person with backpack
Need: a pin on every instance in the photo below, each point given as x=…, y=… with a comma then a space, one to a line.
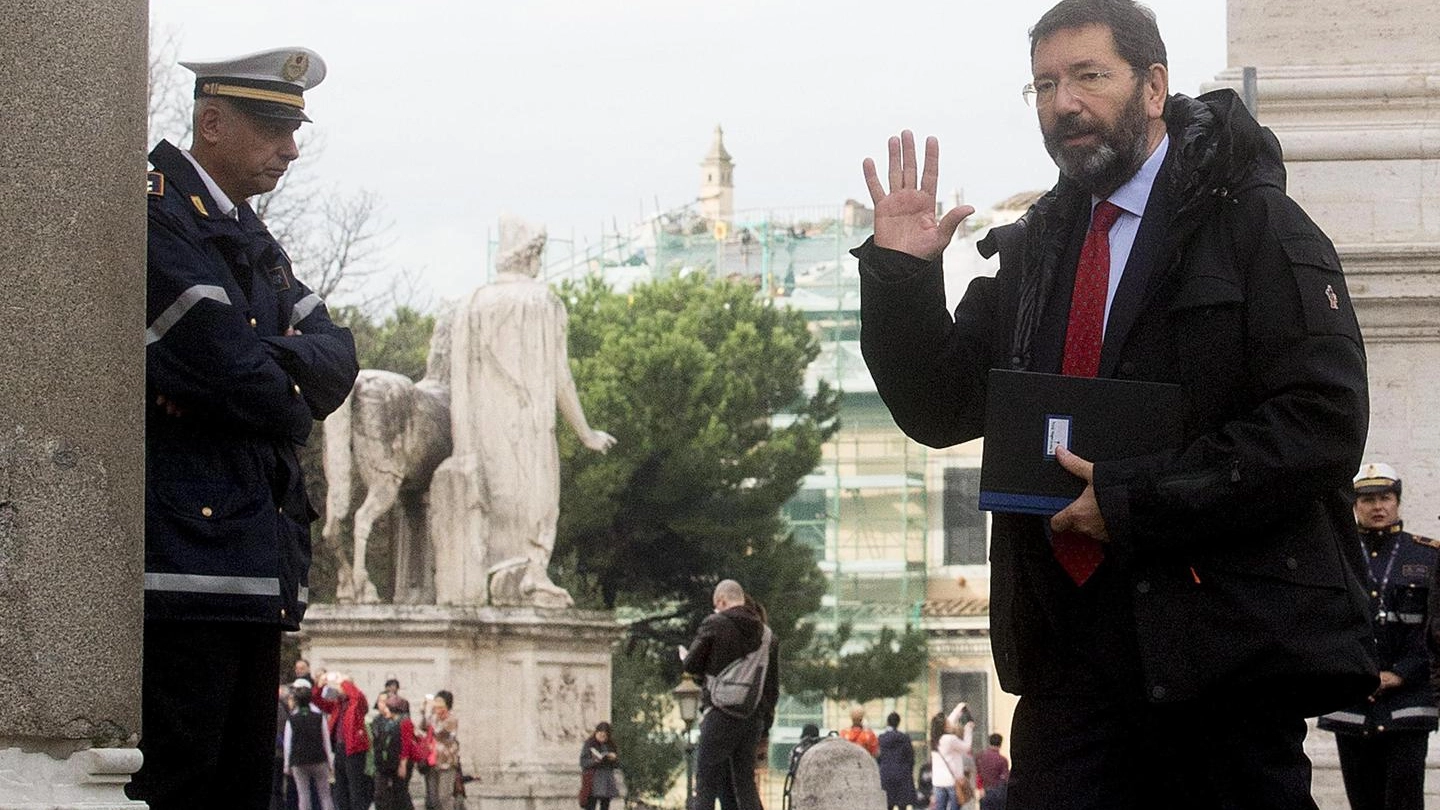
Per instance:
x=308, y=758
x=392, y=739
x=736, y=653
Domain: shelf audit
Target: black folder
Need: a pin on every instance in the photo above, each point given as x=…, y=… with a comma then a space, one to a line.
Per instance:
x=1098, y=419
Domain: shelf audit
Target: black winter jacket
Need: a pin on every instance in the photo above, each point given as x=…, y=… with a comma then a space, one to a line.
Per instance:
x=1238, y=549
x=728, y=636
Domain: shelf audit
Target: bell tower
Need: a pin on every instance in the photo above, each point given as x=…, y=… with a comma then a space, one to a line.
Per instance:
x=717, y=182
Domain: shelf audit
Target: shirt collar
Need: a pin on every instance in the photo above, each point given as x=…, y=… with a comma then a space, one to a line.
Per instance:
x=222, y=202
x=1133, y=196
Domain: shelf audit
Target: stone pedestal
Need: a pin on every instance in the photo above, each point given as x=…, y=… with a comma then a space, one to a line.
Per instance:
x=529, y=684
x=72, y=384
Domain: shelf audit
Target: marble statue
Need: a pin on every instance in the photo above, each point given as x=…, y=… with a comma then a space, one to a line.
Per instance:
x=391, y=433
x=495, y=502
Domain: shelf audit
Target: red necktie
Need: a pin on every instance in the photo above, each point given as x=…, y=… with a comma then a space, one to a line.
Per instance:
x=1080, y=554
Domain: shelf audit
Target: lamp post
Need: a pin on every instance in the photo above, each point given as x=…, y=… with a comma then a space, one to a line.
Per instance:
x=687, y=697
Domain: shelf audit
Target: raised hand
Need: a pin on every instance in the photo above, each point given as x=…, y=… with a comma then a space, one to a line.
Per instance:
x=905, y=217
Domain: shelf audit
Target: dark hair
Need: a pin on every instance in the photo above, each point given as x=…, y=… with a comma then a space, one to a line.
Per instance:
x=301, y=696
x=893, y=719
x=609, y=744
x=1137, y=37
x=995, y=740
x=937, y=729
x=809, y=730
x=392, y=681
x=444, y=694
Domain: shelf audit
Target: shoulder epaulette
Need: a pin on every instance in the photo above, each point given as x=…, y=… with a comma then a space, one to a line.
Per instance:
x=155, y=184
x=1425, y=541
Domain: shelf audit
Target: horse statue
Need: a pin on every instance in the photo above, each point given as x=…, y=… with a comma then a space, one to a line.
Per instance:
x=393, y=432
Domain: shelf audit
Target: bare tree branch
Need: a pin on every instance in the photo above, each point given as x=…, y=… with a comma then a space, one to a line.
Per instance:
x=169, y=108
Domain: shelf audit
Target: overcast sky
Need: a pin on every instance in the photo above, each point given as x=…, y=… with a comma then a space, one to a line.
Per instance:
x=581, y=113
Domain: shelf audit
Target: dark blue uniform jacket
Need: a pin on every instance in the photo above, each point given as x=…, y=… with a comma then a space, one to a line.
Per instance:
x=226, y=517
x=1401, y=567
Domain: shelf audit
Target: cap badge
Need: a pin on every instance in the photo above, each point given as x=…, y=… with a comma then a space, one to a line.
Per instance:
x=296, y=66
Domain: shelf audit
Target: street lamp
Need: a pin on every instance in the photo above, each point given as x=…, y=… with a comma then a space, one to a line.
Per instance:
x=687, y=697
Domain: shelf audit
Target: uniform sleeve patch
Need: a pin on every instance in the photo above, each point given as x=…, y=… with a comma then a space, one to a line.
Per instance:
x=155, y=184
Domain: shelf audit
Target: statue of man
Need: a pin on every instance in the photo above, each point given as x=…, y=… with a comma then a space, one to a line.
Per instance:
x=510, y=371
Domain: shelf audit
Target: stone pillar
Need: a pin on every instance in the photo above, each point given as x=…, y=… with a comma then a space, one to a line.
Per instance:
x=72, y=311
x=1352, y=89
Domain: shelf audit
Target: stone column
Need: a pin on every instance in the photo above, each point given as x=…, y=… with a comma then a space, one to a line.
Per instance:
x=1352, y=89
x=72, y=311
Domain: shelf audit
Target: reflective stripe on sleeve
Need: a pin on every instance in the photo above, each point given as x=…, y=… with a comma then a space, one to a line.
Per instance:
x=304, y=595
x=201, y=583
x=303, y=308
x=182, y=305
x=1346, y=717
x=1415, y=711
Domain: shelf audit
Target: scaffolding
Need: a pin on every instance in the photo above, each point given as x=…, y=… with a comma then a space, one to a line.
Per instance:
x=863, y=510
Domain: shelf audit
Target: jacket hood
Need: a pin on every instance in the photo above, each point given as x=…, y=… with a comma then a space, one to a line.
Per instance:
x=1221, y=150
x=747, y=622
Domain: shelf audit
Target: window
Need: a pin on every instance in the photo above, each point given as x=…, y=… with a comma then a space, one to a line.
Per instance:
x=965, y=533
x=806, y=515
x=970, y=687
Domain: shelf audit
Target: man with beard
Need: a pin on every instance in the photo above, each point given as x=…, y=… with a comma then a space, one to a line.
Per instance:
x=1168, y=631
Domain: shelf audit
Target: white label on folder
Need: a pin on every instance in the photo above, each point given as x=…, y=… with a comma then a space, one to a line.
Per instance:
x=1057, y=434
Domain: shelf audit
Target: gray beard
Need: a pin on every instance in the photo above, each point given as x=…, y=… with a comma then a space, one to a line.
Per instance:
x=1107, y=166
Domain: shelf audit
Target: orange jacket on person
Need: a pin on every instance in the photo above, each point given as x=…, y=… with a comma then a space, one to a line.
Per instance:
x=863, y=737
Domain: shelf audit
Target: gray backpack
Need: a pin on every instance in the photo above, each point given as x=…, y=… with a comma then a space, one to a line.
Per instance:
x=736, y=691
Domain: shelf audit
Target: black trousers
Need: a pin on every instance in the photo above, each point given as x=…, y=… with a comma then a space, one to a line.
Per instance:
x=207, y=720
x=392, y=792
x=1384, y=771
x=1116, y=754
x=353, y=789
x=725, y=762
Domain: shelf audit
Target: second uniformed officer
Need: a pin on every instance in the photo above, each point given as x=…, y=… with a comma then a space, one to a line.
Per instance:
x=1382, y=741
x=240, y=360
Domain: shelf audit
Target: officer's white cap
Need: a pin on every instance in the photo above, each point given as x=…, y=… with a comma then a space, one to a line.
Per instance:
x=267, y=83
x=1376, y=476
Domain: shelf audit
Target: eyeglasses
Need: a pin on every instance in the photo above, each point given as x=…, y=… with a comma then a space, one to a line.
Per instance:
x=1088, y=83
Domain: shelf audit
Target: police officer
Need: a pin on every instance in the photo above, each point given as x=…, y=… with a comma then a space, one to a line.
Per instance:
x=1382, y=741
x=241, y=358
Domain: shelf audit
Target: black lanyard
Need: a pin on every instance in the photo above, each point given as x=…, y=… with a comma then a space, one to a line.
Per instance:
x=1382, y=616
